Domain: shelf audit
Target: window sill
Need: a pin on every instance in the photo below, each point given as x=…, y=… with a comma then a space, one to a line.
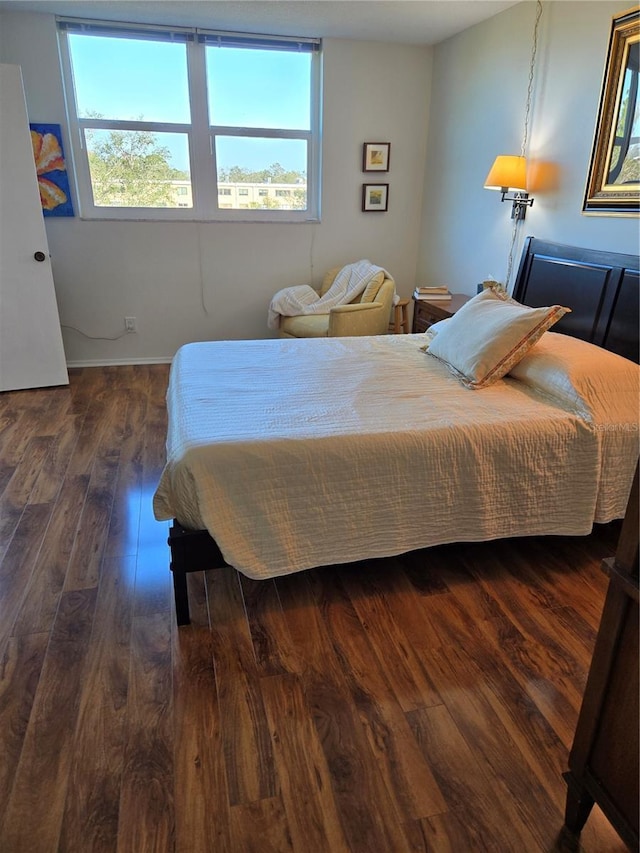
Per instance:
x=228, y=220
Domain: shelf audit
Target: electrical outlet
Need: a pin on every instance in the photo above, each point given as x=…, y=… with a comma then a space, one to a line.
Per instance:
x=130, y=324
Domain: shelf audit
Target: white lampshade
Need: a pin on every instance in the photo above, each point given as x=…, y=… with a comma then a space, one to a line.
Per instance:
x=508, y=172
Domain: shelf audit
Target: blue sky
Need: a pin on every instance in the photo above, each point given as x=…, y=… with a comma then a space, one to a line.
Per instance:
x=134, y=79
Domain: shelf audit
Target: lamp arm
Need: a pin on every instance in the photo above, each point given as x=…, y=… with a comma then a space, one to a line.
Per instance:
x=522, y=198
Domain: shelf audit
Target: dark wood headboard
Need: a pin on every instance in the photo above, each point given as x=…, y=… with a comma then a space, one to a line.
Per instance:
x=601, y=288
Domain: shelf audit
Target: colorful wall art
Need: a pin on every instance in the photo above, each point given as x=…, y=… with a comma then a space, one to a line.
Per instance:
x=53, y=181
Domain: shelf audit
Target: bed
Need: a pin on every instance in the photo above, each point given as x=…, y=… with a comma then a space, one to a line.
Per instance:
x=283, y=455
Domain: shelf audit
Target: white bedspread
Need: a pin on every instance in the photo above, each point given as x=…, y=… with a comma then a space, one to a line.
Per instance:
x=301, y=453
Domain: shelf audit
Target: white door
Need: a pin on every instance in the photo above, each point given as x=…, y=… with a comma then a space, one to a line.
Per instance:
x=31, y=350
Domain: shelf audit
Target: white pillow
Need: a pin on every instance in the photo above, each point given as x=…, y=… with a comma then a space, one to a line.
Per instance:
x=431, y=332
x=585, y=379
x=489, y=335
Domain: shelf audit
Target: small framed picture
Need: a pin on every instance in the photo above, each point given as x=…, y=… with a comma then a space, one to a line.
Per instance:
x=375, y=198
x=375, y=156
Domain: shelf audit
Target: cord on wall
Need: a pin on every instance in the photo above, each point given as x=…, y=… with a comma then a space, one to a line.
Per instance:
x=525, y=135
x=514, y=234
x=203, y=302
x=311, y=246
x=94, y=337
x=532, y=65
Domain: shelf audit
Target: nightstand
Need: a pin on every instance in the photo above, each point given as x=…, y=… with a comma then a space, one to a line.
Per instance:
x=426, y=313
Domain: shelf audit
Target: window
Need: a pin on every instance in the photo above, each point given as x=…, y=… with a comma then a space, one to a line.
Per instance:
x=159, y=118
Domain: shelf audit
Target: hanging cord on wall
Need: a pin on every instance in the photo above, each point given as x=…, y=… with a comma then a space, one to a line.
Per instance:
x=311, y=247
x=532, y=65
x=525, y=135
x=514, y=234
x=203, y=300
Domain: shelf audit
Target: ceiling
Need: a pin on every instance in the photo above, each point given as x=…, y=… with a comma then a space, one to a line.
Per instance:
x=401, y=21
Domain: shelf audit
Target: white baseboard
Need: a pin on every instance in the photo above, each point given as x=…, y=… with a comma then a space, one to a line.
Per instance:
x=114, y=362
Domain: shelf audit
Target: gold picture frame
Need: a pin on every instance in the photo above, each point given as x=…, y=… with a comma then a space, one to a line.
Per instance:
x=613, y=184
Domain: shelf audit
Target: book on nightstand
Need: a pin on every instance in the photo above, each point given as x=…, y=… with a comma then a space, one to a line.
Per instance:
x=433, y=294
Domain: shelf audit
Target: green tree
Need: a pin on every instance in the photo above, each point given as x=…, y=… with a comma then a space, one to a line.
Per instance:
x=275, y=173
x=299, y=199
x=266, y=203
x=130, y=169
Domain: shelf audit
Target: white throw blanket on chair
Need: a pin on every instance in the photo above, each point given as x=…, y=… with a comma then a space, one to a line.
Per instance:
x=350, y=282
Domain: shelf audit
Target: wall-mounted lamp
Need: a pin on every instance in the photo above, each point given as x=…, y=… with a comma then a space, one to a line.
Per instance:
x=510, y=173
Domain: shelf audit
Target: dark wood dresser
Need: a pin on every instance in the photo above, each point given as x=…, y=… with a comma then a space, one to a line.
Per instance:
x=426, y=313
x=603, y=763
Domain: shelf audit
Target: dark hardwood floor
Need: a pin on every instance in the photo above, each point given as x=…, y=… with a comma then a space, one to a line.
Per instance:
x=424, y=703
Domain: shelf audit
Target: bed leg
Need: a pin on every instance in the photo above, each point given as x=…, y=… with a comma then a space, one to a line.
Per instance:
x=180, y=597
x=191, y=551
x=178, y=566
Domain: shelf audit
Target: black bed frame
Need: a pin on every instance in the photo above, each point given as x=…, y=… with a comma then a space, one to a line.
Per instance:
x=602, y=290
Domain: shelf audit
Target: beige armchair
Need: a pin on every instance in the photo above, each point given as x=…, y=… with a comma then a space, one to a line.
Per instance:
x=369, y=314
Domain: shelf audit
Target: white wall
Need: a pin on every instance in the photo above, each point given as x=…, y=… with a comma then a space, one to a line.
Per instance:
x=477, y=111
x=198, y=281
x=188, y=282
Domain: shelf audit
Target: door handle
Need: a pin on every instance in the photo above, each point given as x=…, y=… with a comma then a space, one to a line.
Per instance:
x=39, y=256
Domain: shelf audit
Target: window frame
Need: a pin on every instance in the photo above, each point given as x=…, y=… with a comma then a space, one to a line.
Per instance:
x=201, y=135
